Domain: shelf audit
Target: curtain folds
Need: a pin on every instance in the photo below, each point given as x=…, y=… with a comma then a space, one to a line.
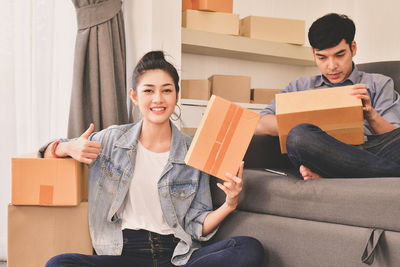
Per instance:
x=99, y=78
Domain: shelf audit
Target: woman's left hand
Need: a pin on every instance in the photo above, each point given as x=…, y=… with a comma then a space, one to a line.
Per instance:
x=233, y=188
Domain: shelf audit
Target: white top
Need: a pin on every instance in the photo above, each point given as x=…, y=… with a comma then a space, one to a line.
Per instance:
x=142, y=204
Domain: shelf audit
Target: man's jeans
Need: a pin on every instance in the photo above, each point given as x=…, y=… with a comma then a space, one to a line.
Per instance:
x=147, y=249
x=308, y=145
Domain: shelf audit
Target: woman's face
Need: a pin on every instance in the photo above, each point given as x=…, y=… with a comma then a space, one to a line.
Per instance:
x=155, y=96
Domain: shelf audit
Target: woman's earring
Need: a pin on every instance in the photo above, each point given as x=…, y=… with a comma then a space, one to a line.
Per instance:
x=176, y=115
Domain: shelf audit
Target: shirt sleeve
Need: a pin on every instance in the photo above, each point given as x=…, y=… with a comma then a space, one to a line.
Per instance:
x=201, y=206
x=271, y=107
x=386, y=101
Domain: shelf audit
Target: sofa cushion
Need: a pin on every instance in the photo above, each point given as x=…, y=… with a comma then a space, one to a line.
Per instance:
x=367, y=202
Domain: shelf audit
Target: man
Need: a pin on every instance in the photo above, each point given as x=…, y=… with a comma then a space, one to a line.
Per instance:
x=316, y=154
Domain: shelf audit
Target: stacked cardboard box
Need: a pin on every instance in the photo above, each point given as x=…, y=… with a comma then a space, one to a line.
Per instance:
x=208, y=5
x=222, y=138
x=218, y=22
x=273, y=29
x=47, y=215
x=263, y=96
x=195, y=89
x=334, y=110
x=231, y=87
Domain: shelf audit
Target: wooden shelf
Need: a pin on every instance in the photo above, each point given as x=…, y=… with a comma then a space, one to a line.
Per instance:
x=223, y=45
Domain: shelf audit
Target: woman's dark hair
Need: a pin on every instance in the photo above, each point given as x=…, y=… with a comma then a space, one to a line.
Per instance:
x=154, y=60
x=329, y=30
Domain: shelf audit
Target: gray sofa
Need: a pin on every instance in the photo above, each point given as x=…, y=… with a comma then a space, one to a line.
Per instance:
x=327, y=222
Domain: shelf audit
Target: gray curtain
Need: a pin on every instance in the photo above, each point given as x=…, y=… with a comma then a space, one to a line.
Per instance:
x=99, y=76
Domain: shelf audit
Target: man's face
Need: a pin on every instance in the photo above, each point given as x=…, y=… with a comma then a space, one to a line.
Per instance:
x=336, y=63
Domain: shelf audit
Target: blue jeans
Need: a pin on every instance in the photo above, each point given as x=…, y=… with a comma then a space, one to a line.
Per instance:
x=146, y=249
x=310, y=146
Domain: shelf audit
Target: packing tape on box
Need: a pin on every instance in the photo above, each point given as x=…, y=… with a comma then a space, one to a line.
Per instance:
x=223, y=140
x=46, y=195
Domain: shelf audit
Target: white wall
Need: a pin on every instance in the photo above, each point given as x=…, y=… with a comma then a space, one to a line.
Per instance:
x=377, y=34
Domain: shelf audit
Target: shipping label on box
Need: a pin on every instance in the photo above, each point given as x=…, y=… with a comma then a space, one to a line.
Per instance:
x=222, y=138
x=196, y=89
x=273, y=29
x=48, y=182
x=231, y=87
x=263, y=96
x=36, y=234
x=334, y=110
x=217, y=22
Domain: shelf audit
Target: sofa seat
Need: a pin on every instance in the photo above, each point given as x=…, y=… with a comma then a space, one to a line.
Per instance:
x=367, y=202
x=291, y=242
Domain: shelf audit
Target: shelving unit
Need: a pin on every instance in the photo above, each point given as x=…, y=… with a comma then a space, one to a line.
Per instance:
x=236, y=47
x=222, y=45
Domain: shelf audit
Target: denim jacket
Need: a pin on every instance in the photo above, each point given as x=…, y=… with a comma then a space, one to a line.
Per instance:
x=184, y=191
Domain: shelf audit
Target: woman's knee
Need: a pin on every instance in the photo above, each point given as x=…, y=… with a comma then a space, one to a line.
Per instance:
x=61, y=260
x=253, y=249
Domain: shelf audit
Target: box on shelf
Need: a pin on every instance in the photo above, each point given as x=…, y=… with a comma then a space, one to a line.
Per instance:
x=48, y=181
x=222, y=138
x=196, y=89
x=189, y=131
x=263, y=96
x=211, y=5
x=218, y=22
x=231, y=87
x=35, y=234
x=334, y=110
x=273, y=29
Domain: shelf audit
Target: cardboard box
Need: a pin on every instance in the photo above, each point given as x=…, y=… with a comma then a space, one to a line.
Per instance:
x=334, y=110
x=196, y=89
x=222, y=138
x=232, y=88
x=273, y=29
x=35, y=234
x=48, y=182
x=218, y=22
x=189, y=131
x=225, y=6
x=263, y=96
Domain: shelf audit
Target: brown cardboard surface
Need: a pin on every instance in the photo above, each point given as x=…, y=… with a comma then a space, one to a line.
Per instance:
x=48, y=182
x=230, y=87
x=273, y=29
x=35, y=234
x=189, y=131
x=334, y=110
x=196, y=89
x=263, y=96
x=213, y=5
x=222, y=138
x=218, y=22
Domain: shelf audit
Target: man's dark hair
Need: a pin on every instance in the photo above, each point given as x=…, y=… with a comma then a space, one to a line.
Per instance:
x=329, y=30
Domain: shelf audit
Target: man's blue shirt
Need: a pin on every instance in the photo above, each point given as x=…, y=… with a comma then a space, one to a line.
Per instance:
x=384, y=98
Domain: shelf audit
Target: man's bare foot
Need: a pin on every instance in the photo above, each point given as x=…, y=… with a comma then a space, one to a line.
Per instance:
x=308, y=174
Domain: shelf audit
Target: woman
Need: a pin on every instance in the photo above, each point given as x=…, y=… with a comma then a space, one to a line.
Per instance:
x=146, y=207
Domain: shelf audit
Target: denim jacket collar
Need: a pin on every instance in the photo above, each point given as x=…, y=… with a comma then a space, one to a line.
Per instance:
x=178, y=149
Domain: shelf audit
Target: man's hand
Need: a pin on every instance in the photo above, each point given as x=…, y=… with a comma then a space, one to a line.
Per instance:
x=233, y=188
x=360, y=91
x=82, y=149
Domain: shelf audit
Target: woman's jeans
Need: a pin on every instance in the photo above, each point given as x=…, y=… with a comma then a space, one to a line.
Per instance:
x=146, y=249
x=308, y=145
